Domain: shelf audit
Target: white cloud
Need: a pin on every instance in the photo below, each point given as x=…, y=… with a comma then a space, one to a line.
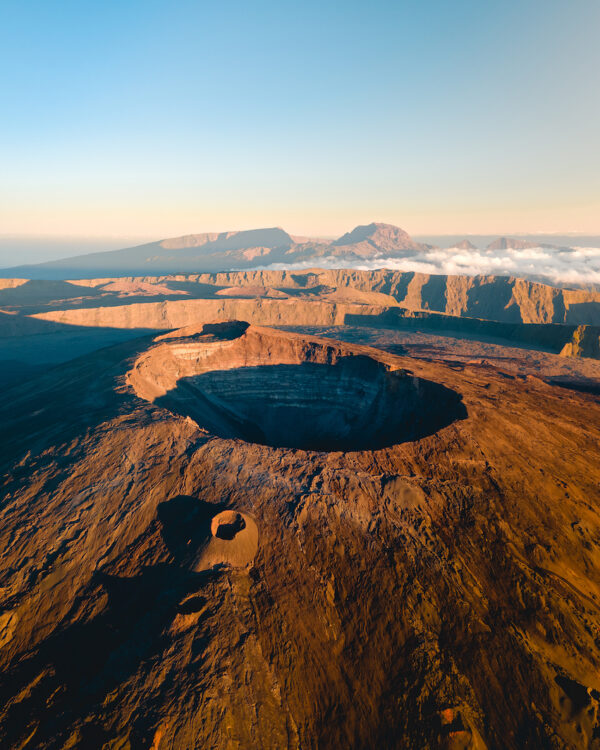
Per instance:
x=574, y=266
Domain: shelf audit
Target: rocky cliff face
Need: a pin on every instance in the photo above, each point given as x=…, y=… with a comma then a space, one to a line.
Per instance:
x=513, y=309
x=162, y=586
x=585, y=342
x=498, y=298
x=317, y=293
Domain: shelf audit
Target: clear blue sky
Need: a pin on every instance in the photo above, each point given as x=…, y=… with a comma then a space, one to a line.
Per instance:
x=153, y=118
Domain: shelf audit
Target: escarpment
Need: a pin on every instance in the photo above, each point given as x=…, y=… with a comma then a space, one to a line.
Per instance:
x=524, y=313
x=499, y=298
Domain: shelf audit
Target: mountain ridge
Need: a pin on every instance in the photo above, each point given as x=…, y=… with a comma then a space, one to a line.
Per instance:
x=226, y=251
x=367, y=246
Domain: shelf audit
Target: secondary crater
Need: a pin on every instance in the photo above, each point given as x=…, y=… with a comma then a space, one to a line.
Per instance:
x=227, y=524
x=288, y=391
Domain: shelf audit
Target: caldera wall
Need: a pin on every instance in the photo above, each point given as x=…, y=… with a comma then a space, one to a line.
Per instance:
x=288, y=391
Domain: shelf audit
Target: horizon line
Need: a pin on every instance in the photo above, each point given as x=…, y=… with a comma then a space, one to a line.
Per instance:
x=317, y=235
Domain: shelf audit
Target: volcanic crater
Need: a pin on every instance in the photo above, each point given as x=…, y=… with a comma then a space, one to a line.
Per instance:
x=164, y=587
x=238, y=381
x=227, y=524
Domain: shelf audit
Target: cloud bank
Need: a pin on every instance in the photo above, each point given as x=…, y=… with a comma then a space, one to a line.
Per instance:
x=575, y=266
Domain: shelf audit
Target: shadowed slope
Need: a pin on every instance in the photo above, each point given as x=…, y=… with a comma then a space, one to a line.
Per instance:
x=352, y=405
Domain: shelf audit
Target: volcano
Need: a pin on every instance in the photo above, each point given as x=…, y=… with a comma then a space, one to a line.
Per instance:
x=234, y=536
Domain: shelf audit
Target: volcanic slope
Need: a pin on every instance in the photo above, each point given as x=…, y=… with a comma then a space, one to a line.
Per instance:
x=168, y=585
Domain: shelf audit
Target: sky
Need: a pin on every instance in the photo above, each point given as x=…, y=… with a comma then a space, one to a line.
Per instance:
x=132, y=118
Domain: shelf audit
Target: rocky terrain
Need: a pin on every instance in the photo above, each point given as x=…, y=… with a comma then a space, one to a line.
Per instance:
x=242, y=534
x=169, y=584
x=46, y=322
x=499, y=298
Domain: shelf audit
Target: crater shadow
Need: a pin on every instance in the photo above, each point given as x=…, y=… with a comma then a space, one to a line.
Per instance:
x=355, y=404
x=227, y=525
x=185, y=525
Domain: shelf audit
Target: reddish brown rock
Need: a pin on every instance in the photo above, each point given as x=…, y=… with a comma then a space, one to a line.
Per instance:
x=443, y=587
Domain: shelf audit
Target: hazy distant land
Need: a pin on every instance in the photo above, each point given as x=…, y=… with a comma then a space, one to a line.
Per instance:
x=564, y=260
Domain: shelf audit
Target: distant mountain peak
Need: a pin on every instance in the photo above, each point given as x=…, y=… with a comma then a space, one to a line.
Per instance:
x=237, y=250
x=374, y=232
x=464, y=245
x=510, y=243
x=376, y=238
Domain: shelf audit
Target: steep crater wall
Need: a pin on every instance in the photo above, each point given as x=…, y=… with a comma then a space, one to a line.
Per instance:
x=289, y=391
